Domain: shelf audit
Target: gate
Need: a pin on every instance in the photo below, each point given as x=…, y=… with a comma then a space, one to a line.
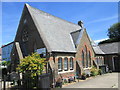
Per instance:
x=44, y=81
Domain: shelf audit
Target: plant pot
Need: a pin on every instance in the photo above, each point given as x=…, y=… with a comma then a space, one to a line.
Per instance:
x=83, y=77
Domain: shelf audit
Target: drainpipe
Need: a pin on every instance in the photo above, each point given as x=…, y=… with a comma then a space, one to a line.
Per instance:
x=113, y=63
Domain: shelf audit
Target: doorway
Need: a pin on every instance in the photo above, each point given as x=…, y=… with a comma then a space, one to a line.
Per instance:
x=78, y=70
x=116, y=64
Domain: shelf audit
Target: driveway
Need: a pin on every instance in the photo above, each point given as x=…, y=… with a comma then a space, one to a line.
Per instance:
x=109, y=80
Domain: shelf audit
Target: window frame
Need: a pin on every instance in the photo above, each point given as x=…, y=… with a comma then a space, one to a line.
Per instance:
x=66, y=63
x=90, y=64
x=83, y=59
x=86, y=56
x=60, y=59
x=71, y=63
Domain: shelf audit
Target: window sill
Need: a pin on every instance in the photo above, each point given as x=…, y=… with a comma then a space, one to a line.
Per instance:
x=87, y=68
x=59, y=70
x=65, y=71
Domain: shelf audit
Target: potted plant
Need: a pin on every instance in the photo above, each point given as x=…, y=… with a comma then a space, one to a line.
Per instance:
x=83, y=77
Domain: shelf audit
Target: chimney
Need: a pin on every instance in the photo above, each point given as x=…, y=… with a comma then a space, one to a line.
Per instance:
x=80, y=23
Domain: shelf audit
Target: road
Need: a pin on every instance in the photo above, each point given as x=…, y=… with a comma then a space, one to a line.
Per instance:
x=109, y=80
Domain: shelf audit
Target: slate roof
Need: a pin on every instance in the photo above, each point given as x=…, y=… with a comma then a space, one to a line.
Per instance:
x=54, y=31
x=96, y=48
x=110, y=48
x=75, y=35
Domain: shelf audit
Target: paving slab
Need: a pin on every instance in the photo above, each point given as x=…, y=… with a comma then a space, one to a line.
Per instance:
x=109, y=80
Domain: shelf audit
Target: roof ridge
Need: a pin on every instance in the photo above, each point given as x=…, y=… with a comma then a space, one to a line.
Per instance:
x=50, y=15
x=109, y=43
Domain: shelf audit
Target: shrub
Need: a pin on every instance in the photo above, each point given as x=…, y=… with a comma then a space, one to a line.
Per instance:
x=31, y=67
x=83, y=77
x=100, y=72
x=94, y=71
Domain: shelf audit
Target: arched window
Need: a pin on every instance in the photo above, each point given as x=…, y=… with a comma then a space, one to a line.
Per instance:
x=65, y=63
x=86, y=56
x=60, y=64
x=83, y=61
x=89, y=59
x=71, y=63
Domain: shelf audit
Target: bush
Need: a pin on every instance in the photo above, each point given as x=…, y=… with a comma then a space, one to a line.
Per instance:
x=31, y=66
x=100, y=72
x=83, y=77
x=94, y=71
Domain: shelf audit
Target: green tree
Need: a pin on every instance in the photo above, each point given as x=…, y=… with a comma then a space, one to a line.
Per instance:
x=6, y=63
x=32, y=65
x=114, y=31
x=113, y=34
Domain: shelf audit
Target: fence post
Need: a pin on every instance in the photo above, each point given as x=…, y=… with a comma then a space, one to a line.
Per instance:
x=4, y=83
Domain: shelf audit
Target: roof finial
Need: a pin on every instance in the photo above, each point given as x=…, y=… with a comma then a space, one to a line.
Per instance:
x=80, y=23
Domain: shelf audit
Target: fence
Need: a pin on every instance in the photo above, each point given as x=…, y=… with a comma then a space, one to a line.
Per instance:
x=42, y=81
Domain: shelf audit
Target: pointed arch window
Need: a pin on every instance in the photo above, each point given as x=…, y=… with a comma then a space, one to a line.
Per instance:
x=86, y=56
x=65, y=63
x=89, y=55
x=71, y=63
x=83, y=61
x=59, y=64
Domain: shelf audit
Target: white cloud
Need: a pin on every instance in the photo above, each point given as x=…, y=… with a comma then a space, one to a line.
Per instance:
x=104, y=19
x=97, y=41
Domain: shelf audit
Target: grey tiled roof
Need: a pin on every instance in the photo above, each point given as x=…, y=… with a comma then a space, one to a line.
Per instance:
x=96, y=48
x=54, y=31
x=76, y=36
x=110, y=48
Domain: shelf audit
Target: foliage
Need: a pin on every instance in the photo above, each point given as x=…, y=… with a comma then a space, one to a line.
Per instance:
x=94, y=71
x=99, y=71
x=32, y=65
x=113, y=34
x=83, y=74
x=109, y=41
x=114, y=31
x=83, y=77
x=6, y=63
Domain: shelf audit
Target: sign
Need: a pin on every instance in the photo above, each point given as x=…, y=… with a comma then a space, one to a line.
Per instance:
x=42, y=51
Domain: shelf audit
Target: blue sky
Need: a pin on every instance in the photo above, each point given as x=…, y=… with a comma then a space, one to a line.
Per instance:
x=97, y=16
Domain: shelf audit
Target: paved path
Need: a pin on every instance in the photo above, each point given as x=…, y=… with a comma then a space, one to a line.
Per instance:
x=109, y=80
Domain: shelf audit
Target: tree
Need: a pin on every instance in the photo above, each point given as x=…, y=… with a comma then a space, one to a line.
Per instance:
x=32, y=65
x=6, y=63
x=114, y=31
x=113, y=34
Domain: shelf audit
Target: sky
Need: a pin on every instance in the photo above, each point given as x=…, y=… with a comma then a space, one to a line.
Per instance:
x=97, y=16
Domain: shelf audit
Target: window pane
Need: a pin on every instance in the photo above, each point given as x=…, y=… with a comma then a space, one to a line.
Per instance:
x=89, y=59
x=71, y=63
x=59, y=64
x=66, y=64
x=83, y=63
x=86, y=54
